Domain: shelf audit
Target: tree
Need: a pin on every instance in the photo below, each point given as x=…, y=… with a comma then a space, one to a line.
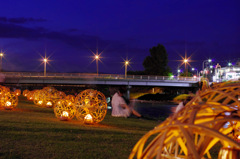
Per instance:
x=157, y=62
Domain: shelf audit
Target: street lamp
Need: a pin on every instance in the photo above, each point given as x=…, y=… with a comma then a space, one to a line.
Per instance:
x=178, y=71
x=97, y=58
x=45, y=65
x=1, y=56
x=186, y=69
x=193, y=69
x=126, y=64
x=209, y=61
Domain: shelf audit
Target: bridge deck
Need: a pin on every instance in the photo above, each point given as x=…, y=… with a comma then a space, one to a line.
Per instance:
x=101, y=79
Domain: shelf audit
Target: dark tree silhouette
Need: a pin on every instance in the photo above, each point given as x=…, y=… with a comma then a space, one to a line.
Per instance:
x=157, y=62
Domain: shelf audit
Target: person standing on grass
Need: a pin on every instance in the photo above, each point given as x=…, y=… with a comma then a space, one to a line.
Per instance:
x=120, y=107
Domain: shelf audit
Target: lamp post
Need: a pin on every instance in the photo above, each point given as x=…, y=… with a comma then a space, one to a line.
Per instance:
x=126, y=64
x=1, y=56
x=193, y=69
x=45, y=66
x=96, y=58
x=178, y=72
x=209, y=60
x=186, y=69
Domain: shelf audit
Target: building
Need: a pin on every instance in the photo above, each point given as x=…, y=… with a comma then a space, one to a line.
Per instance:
x=231, y=72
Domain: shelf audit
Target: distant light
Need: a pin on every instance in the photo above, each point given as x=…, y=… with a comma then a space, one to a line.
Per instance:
x=193, y=69
x=229, y=64
x=209, y=60
x=211, y=66
x=194, y=76
x=126, y=62
x=178, y=70
x=96, y=57
x=1, y=54
x=185, y=60
x=45, y=60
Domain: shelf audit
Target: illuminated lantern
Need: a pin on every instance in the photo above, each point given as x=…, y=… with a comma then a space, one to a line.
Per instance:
x=25, y=92
x=210, y=120
x=64, y=109
x=51, y=96
x=30, y=95
x=90, y=102
x=17, y=92
x=4, y=90
x=38, y=98
x=10, y=101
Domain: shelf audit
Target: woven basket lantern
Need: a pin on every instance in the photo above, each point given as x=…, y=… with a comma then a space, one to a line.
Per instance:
x=91, y=106
x=25, y=92
x=209, y=121
x=64, y=109
x=10, y=101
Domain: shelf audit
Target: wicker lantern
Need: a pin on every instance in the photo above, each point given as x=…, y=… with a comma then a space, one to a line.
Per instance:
x=10, y=101
x=30, y=95
x=90, y=103
x=17, y=92
x=4, y=90
x=38, y=98
x=210, y=119
x=25, y=92
x=64, y=109
x=51, y=96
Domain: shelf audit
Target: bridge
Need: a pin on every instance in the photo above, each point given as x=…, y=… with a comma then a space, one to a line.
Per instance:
x=94, y=79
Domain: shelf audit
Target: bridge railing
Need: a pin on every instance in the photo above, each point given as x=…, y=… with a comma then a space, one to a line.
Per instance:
x=95, y=76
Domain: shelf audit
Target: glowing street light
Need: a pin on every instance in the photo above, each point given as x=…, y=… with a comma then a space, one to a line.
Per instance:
x=1, y=56
x=209, y=61
x=45, y=65
x=126, y=64
x=186, y=69
x=97, y=58
x=193, y=69
x=185, y=60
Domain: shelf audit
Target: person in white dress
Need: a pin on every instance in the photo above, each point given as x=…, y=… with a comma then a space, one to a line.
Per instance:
x=120, y=107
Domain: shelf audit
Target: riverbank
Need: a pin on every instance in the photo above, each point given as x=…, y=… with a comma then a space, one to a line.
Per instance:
x=34, y=132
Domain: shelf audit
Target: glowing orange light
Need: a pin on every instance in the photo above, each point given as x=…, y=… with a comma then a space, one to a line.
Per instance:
x=64, y=115
x=8, y=104
x=45, y=60
x=40, y=102
x=88, y=119
x=97, y=57
x=49, y=104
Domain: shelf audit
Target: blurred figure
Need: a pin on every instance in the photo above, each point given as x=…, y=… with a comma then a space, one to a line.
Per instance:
x=119, y=106
x=182, y=104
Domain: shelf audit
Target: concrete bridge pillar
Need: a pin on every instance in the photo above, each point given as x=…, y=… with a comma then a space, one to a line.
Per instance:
x=128, y=91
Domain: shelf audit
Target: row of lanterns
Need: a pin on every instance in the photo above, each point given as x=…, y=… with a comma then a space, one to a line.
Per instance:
x=89, y=106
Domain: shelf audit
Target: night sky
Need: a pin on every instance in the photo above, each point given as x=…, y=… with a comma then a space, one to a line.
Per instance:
x=69, y=31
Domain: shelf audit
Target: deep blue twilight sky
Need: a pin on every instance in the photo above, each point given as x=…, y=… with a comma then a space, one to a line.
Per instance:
x=68, y=30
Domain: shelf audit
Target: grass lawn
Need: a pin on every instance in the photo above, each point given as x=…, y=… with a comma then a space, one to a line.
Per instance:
x=29, y=131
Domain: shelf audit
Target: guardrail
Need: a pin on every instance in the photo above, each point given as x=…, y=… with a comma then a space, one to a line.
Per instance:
x=95, y=76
